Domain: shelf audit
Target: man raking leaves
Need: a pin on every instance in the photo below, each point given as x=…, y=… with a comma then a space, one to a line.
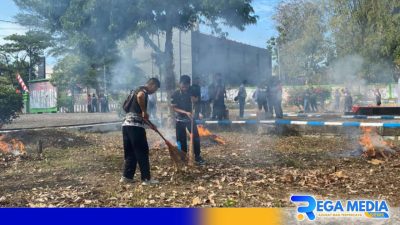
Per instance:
x=181, y=102
x=136, y=148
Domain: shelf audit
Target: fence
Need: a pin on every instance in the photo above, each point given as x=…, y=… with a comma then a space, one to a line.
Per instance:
x=83, y=108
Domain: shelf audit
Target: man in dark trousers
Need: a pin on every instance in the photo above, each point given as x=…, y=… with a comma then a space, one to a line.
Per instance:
x=182, y=103
x=348, y=101
x=196, y=93
x=261, y=96
x=219, y=108
x=136, y=149
x=242, y=98
x=276, y=97
x=89, y=103
x=94, y=103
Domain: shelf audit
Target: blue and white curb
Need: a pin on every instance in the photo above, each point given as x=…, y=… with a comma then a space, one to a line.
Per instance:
x=384, y=117
x=303, y=123
x=301, y=115
x=292, y=115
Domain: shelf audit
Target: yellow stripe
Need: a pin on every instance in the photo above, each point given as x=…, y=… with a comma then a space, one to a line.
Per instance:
x=242, y=216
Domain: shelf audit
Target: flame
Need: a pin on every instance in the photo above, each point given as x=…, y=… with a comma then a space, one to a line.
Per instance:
x=14, y=146
x=204, y=132
x=371, y=141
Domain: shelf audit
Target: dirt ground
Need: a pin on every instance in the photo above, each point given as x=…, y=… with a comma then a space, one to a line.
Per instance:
x=253, y=169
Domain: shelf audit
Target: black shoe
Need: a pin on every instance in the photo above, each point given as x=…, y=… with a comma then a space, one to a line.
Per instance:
x=200, y=161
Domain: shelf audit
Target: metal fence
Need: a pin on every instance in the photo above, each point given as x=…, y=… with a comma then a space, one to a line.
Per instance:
x=83, y=108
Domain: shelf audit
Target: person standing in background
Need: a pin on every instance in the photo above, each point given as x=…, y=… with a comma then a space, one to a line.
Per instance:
x=152, y=106
x=275, y=91
x=242, y=98
x=196, y=92
x=378, y=97
x=306, y=105
x=336, y=104
x=261, y=97
x=313, y=100
x=107, y=107
x=204, y=100
x=212, y=88
x=348, y=101
x=89, y=103
x=219, y=100
x=102, y=103
x=94, y=103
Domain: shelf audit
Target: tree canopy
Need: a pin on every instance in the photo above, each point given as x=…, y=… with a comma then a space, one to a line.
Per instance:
x=92, y=28
x=22, y=52
x=315, y=36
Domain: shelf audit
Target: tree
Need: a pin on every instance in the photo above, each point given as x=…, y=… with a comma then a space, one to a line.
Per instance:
x=72, y=70
x=316, y=36
x=186, y=15
x=93, y=27
x=10, y=102
x=302, y=43
x=369, y=29
x=29, y=46
x=89, y=29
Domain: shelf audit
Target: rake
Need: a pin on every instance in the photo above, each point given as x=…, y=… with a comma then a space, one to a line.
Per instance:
x=191, y=148
x=178, y=157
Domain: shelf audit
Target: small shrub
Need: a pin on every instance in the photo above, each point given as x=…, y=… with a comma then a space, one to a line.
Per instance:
x=11, y=102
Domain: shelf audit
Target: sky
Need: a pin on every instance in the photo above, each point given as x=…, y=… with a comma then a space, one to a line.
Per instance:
x=7, y=11
x=256, y=35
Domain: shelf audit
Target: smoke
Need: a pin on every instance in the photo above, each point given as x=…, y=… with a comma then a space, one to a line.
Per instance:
x=361, y=77
x=125, y=73
x=234, y=61
x=347, y=71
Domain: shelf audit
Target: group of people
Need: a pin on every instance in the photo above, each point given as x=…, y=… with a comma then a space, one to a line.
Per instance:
x=213, y=94
x=347, y=100
x=189, y=102
x=136, y=149
x=97, y=104
x=268, y=96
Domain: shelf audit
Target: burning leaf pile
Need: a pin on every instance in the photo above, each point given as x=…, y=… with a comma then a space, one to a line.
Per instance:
x=205, y=133
x=374, y=146
x=12, y=146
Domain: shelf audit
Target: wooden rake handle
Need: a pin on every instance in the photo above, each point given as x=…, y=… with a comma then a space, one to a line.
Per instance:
x=153, y=127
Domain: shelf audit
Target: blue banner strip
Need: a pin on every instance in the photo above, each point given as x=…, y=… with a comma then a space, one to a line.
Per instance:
x=351, y=124
x=315, y=123
x=391, y=125
x=86, y=216
x=303, y=123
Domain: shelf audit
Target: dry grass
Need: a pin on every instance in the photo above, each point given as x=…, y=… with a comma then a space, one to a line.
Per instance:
x=251, y=170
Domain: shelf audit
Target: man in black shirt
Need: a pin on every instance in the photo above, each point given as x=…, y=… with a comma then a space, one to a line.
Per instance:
x=219, y=108
x=195, y=92
x=136, y=148
x=182, y=104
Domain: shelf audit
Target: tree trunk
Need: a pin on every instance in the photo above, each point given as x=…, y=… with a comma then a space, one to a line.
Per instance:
x=169, y=76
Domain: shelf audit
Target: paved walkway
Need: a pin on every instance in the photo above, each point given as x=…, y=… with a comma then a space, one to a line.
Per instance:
x=55, y=119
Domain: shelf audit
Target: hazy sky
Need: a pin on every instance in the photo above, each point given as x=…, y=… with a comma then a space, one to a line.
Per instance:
x=256, y=35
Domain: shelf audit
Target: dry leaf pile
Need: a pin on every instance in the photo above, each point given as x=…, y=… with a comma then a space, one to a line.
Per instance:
x=83, y=169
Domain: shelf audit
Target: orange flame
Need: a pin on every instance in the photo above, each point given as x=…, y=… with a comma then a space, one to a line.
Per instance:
x=204, y=132
x=370, y=140
x=14, y=146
